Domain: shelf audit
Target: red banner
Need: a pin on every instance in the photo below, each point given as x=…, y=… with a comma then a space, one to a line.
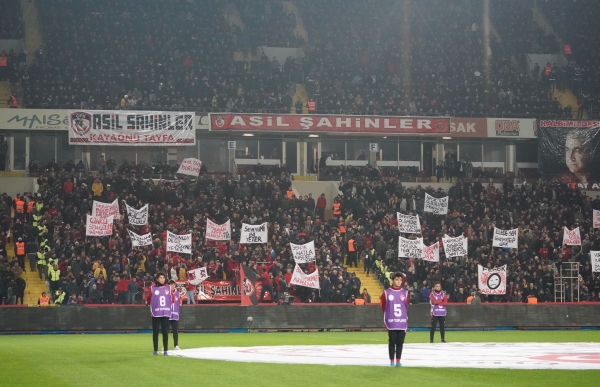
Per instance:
x=217, y=291
x=331, y=123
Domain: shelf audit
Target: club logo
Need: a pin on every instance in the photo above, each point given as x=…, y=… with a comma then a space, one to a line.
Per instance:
x=80, y=123
x=219, y=121
x=248, y=287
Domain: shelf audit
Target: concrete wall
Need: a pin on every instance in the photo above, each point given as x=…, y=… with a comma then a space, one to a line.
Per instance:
x=315, y=316
x=14, y=185
x=330, y=189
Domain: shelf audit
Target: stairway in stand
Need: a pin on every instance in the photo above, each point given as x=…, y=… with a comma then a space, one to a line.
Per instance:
x=5, y=91
x=367, y=281
x=35, y=286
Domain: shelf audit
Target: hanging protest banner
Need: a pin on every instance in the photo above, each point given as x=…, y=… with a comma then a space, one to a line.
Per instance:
x=104, y=210
x=595, y=258
x=190, y=166
x=572, y=238
x=140, y=240
x=303, y=253
x=137, y=217
x=492, y=281
x=410, y=248
x=596, y=219
x=408, y=224
x=506, y=238
x=98, y=226
x=218, y=232
x=179, y=243
x=127, y=127
x=197, y=276
x=435, y=205
x=254, y=234
x=455, y=247
x=308, y=280
x=432, y=253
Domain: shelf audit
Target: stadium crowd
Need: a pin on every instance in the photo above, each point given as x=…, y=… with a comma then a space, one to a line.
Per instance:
x=384, y=68
x=109, y=270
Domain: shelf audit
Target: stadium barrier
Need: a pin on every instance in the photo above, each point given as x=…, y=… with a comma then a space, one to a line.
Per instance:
x=311, y=316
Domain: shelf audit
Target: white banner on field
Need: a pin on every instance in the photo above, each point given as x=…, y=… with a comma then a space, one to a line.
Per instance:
x=596, y=219
x=506, y=238
x=179, y=243
x=254, y=233
x=492, y=281
x=218, y=232
x=408, y=224
x=410, y=248
x=105, y=210
x=127, y=127
x=455, y=247
x=572, y=238
x=432, y=253
x=595, y=258
x=137, y=217
x=97, y=226
x=304, y=253
x=307, y=280
x=197, y=276
x=190, y=166
x=140, y=240
x=435, y=205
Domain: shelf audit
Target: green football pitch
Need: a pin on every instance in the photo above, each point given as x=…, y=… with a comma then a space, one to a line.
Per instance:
x=125, y=360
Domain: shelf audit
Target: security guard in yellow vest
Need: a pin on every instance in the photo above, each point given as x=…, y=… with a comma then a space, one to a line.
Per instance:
x=53, y=277
x=36, y=218
x=41, y=264
x=60, y=297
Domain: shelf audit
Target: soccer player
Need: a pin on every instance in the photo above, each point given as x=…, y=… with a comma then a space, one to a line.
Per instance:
x=174, y=319
x=160, y=301
x=394, y=304
x=438, y=300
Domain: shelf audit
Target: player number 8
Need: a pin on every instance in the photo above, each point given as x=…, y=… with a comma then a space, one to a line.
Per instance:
x=398, y=310
x=162, y=301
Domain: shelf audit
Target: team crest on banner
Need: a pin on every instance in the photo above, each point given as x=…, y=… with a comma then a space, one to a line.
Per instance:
x=408, y=224
x=595, y=258
x=410, y=248
x=435, y=205
x=572, y=238
x=492, y=281
x=432, y=253
x=506, y=238
x=197, y=276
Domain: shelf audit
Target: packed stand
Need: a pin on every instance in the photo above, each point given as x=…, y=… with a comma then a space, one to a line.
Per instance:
x=129, y=55
x=576, y=23
x=266, y=24
x=376, y=59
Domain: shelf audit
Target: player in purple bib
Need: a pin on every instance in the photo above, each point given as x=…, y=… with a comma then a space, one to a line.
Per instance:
x=160, y=301
x=394, y=304
x=438, y=301
x=174, y=319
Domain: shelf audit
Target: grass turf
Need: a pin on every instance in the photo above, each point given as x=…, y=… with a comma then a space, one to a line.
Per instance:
x=125, y=360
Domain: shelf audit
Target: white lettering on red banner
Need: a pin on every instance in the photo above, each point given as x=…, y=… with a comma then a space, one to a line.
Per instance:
x=122, y=127
x=492, y=281
x=218, y=232
x=190, y=166
x=308, y=280
x=97, y=226
x=331, y=123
